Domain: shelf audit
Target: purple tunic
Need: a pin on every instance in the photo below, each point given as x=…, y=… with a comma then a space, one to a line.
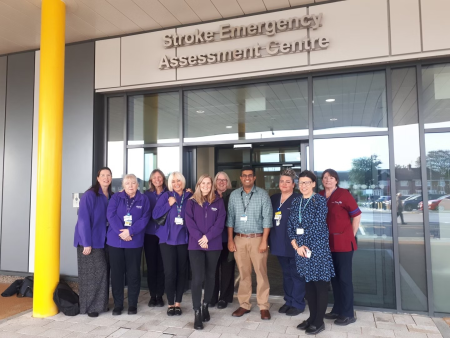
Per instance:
x=117, y=209
x=91, y=225
x=153, y=198
x=171, y=233
x=208, y=220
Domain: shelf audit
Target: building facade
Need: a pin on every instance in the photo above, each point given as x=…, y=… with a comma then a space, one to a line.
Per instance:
x=360, y=86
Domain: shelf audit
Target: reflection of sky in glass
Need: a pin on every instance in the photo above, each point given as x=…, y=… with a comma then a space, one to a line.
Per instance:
x=406, y=145
x=275, y=157
x=338, y=153
x=115, y=158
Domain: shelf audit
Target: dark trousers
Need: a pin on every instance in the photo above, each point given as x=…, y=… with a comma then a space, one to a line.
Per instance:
x=400, y=213
x=293, y=283
x=224, y=281
x=203, y=265
x=155, y=268
x=175, y=259
x=342, y=284
x=317, y=297
x=125, y=261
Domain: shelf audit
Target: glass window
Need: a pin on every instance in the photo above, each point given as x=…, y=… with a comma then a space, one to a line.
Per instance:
x=363, y=167
x=438, y=174
x=278, y=155
x=116, y=119
x=142, y=161
x=436, y=95
x=349, y=103
x=153, y=118
x=264, y=110
x=411, y=242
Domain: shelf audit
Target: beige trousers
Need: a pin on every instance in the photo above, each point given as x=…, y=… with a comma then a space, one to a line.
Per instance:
x=247, y=254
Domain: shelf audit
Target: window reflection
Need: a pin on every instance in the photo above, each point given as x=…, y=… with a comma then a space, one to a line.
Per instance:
x=363, y=167
x=153, y=118
x=436, y=95
x=263, y=110
x=349, y=103
x=116, y=116
x=438, y=174
x=408, y=177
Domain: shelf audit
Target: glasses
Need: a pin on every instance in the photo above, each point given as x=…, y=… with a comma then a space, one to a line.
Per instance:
x=247, y=176
x=305, y=184
x=222, y=180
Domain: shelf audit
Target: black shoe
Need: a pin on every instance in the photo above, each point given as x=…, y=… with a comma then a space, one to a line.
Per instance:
x=171, y=311
x=303, y=325
x=293, y=311
x=132, y=310
x=159, y=301
x=312, y=330
x=198, y=324
x=331, y=315
x=117, y=311
x=93, y=314
x=205, y=313
x=152, y=302
x=343, y=321
x=222, y=304
x=284, y=308
x=212, y=304
x=178, y=311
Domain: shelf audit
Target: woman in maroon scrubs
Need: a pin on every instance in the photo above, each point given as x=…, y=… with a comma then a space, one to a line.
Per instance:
x=343, y=223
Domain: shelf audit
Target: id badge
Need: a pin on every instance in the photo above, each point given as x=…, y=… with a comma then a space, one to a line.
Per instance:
x=178, y=220
x=244, y=218
x=300, y=231
x=128, y=219
x=277, y=216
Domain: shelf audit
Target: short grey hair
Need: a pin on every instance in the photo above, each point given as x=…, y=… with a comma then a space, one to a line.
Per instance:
x=129, y=177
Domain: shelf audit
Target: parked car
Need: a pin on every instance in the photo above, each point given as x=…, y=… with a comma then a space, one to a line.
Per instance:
x=436, y=202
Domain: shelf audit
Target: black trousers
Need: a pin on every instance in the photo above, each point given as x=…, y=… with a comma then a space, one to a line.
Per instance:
x=155, y=267
x=125, y=261
x=175, y=260
x=342, y=283
x=203, y=265
x=317, y=297
x=224, y=281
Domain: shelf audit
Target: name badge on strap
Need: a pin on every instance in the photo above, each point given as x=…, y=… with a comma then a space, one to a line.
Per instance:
x=277, y=218
x=179, y=221
x=300, y=231
x=244, y=218
x=128, y=220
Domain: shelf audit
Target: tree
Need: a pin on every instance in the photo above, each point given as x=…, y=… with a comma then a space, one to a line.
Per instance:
x=439, y=161
x=365, y=170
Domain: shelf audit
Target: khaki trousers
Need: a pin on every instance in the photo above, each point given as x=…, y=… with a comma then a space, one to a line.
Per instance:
x=247, y=254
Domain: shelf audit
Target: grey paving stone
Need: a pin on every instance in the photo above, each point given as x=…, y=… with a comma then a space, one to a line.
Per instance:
x=118, y=333
x=202, y=334
x=421, y=320
x=32, y=330
x=423, y=328
x=80, y=319
x=435, y=335
x=409, y=334
x=281, y=335
x=105, y=321
x=270, y=327
x=4, y=334
x=84, y=335
x=333, y=334
x=58, y=325
x=127, y=325
x=207, y=327
x=244, y=325
x=349, y=328
x=11, y=327
x=253, y=334
x=352, y=335
x=226, y=329
x=229, y=335
x=54, y=333
x=392, y=326
x=153, y=335
x=133, y=334
x=176, y=322
x=366, y=316
x=104, y=330
x=442, y=326
x=377, y=332
x=384, y=317
x=153, y=328
x=404, y=319
x=179, y=331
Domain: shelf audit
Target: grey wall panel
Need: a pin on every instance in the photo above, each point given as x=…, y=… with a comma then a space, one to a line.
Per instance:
x=17, y=162
x=77, y=142
x=3, y=72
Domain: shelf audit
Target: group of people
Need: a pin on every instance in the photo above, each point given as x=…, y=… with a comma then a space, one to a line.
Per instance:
x=213, y=229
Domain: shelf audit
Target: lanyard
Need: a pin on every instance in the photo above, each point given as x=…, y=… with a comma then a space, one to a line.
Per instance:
x=331, y=194
x=179, y=206
x=130, y=206
x=300, y=209
x=281, y=204
x=242, y=199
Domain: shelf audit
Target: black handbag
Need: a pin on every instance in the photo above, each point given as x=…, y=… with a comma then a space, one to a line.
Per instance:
x=66, y=299
x=162, y=219
x=26, y=289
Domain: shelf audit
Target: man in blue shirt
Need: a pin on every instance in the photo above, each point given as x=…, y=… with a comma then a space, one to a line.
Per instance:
x=249, y=219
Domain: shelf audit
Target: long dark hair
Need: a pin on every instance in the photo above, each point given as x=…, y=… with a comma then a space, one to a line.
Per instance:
x=156, y=171
x=96, y=186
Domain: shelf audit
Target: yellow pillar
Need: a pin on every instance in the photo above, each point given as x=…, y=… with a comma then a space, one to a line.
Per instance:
x=48, y=203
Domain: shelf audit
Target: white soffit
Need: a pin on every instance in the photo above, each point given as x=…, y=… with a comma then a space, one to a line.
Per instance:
x=95, y=19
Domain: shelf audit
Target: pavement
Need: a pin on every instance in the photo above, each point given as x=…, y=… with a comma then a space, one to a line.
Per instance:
x=154, y=323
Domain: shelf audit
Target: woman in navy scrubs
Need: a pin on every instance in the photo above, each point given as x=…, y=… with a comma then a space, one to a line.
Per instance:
x=128, y=214
x=280, y=246
x=343, y=223
x=89, y=239
x=155, y=268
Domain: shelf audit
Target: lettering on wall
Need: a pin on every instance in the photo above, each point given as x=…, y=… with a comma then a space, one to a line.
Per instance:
x=227, y=32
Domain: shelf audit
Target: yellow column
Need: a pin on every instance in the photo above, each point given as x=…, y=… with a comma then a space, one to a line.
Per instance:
x=48, y=203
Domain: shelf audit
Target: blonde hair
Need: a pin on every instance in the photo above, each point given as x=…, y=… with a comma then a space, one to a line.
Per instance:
x=172, y=176
x=224, y=174
x=198, y=195
x=129, y=177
